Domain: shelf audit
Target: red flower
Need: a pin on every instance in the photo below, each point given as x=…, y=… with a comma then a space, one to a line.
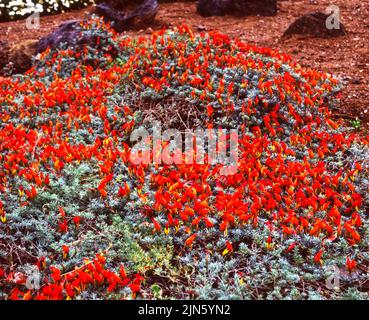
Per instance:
x=63, y=226
x=65, y=251
x=41, y=263
x=190, y=240
x=350, y=264
x=55, y=274
x=77, y=221
x=62, y=212
x=135, y=287
x=15, y=294
x=291, y=247
x=156, y=225
x=122, y=272
x=124, y=191
x=228, y=249
x=318, y=257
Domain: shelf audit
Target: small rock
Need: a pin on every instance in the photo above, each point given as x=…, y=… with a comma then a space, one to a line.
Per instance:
x=16, y=58
x=201, y=28
x=241, y=8
x=70, y=34
x=123, y=16
x=67, y=33
x=21, y=55
x=314, y=24
x=149, y=31
x=208, y=8
x=356, y=81
x=4, y=53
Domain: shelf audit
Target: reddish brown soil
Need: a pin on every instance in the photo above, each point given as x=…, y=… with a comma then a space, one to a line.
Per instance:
x=346, y=56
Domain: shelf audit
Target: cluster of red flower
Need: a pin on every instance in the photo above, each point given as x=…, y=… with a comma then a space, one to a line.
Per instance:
x=69, y=285
x=284, y=183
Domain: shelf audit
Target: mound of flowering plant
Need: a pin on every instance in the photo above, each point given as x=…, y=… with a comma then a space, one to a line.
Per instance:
x=20, y=9
x=93, y=224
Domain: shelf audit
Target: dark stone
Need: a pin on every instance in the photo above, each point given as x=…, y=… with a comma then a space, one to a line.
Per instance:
x=125, y=15
x=21, y=55
x=356, y=81
x=16, y=58
x=201, y=28
x=254, y=7
x=314, y=24
x=71, y=34
x=121, y=5
x=68, y=32
x=4, y=53
x=209, y=8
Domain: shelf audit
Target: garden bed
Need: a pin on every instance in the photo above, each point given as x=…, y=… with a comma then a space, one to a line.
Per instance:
x=80, y=218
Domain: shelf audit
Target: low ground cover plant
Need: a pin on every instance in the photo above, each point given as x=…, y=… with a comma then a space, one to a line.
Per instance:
x=91, y=224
